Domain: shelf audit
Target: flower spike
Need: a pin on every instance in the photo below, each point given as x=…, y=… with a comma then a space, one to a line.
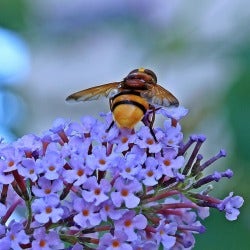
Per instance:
x=87, y=186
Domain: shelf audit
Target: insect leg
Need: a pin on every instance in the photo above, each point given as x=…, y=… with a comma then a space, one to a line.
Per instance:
x=110, y=126
x=151, y=123
x=113, y=122
x=150, y=119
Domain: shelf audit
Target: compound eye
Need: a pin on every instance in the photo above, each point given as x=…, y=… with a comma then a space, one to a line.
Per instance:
x=152, y=74
x=133, y=71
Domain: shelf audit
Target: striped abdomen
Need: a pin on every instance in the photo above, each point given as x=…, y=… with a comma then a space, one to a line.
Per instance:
x=128, y=109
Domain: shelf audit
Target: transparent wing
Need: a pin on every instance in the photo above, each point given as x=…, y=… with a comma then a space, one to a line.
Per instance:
x=94, y=93
x=157, y=95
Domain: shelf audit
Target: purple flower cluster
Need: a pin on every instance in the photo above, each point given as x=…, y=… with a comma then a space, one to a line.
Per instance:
x=79, y=186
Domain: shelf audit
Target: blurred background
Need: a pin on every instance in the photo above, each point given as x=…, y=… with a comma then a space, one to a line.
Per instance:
x=200, y=51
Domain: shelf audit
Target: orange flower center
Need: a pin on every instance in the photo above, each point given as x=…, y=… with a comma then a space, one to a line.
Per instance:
x=128, y=169
x=102, y=161
x=150, y=173
x=42, y=243
x=167, y=162
x=170, y=142
x=11, y=163
x=12, y=237
x=97, y=191
x=124, y=139
x=47, y=191
x=51, y=168
x=124, y=192
x=80, y=172
x=115, y=243
x=48, y=210
x=127, y=223
x=150, y=141
x=107, y=208
x=85, y=212
x=32, y=171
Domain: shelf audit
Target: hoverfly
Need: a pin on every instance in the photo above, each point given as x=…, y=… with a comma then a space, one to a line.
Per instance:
x=130, y=98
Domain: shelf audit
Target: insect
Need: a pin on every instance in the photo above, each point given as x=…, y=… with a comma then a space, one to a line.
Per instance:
x=130, y=98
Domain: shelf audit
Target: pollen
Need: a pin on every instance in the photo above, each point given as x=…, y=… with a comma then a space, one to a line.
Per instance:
x=47, y=191
x=102, y=161
x=124, y=139
x=85, y=212
x=107, y=208
x=48, y=210
x=124, y=192
x=32, y=171
x=11, y=163
x=150, y=141
x=150, y=173
x=170, y=141
x=42, y=243
x=97, y=191
x=51, y=168
x=128, y=169
x=167, y=163
x=12, y=237
x=80, y=172
x=28, y=154
x=127, y=223
x=115, y=243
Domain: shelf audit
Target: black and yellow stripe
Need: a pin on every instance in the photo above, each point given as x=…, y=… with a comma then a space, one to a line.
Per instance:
x=128, y=108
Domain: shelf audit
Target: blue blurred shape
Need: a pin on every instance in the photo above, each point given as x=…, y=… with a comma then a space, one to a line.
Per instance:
x=6, y=135
x=14, y=58
x=12, y=109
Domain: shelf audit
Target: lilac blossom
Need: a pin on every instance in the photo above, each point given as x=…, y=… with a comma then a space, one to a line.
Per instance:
x=151, y=173
x=69, y=150
x=46, y=209
x=84, y=186
x=130, y=166
x=100, y=160
x=165, y=234
x=169, y=162
x=113, y=242
x=45, y=187
x=95, y=192
x=46, y=240
x=145, y=140
x=79, y=171
x=14, y=236
x=108, y=210
x=124, y=192
x=29, y=170
x=131, y=222
x=12, y=158
x=5, y=179
x=231, y=205
x=176, y=113
x=52, y=164
x=29, y=143
x=173, y=137
x=86, y=213
x=124, y=140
